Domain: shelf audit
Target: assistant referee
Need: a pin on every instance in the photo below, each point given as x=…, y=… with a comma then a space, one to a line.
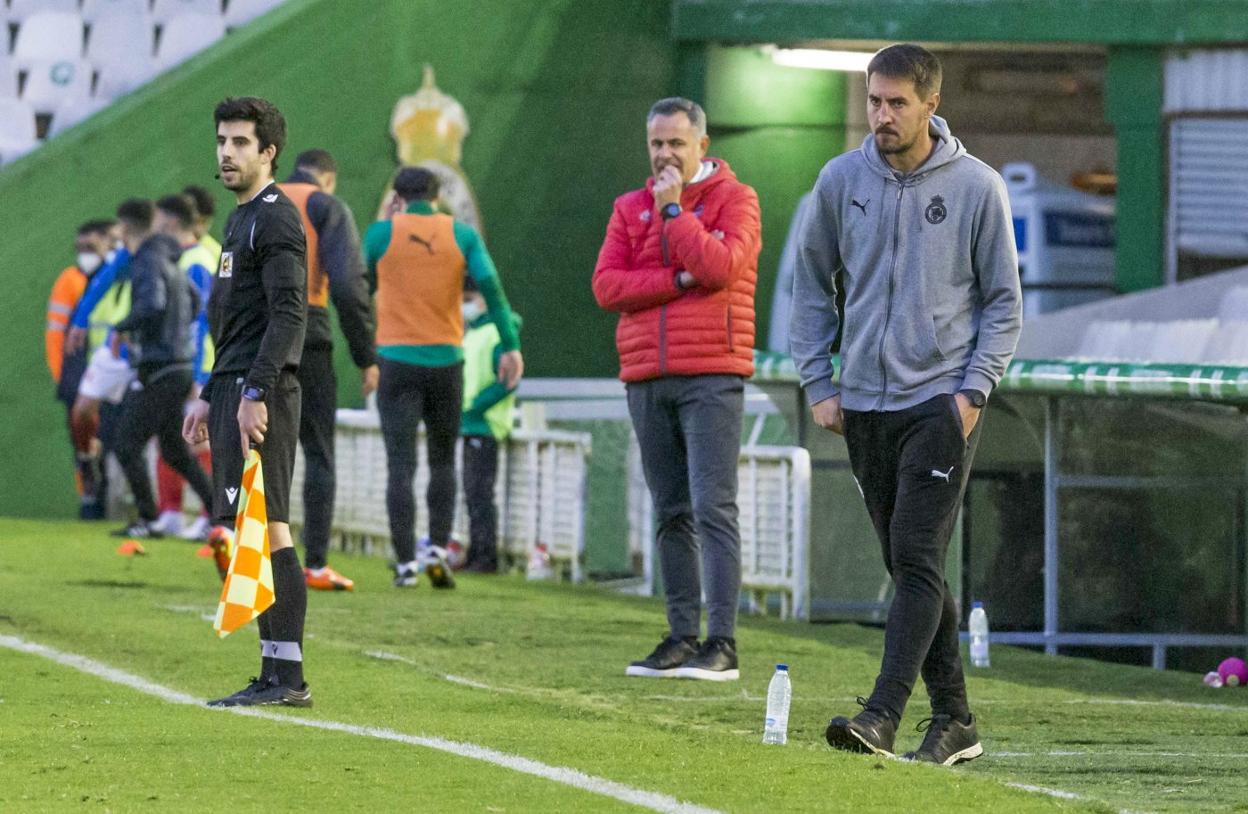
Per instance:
x=257, y=315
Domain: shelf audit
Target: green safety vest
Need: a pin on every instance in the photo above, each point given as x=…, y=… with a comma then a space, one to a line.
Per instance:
x=111, y=309
x=479, y=373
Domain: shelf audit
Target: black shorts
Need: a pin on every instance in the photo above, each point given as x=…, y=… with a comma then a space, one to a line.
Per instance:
x=277, y=453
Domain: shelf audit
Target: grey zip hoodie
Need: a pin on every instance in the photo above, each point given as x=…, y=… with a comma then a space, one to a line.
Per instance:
x=932, y=296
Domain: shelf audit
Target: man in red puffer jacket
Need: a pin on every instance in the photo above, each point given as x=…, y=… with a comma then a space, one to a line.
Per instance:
x=679, y=265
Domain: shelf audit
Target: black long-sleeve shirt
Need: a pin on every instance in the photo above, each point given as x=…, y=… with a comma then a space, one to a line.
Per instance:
x=257, y=312
x=338, y=247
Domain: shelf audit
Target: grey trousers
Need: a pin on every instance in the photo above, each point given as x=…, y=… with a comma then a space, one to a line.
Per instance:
x=689, y=431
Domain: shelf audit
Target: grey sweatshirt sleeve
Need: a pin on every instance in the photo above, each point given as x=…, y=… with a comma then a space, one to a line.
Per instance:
x=813, y=321
x=995, y=263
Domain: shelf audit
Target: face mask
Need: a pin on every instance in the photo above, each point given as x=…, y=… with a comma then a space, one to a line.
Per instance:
x=471, y=311
x=89, y=262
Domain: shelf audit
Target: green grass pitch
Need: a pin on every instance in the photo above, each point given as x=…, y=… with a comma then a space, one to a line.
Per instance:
x=535, y=671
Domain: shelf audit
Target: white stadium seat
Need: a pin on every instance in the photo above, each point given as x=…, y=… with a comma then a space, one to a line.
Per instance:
x=73, y=111
x=19, y=10
x=48, y=35
x=17, y=129
x=54, y=81
x=185, y=36
x=241, y=12
x=118, y=78
x=115, y=40
x=166, y=10
x=95, y=10
x=8, y=77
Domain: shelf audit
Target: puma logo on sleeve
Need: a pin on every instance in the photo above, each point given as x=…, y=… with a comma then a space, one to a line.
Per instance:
x=936, y=473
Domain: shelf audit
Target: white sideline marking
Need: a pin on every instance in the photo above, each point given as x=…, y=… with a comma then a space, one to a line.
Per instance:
x=1062, y=795
x=559, y=774
x=476, y=685
x=1124, y=753
x=382, y=655
x=1129, y=702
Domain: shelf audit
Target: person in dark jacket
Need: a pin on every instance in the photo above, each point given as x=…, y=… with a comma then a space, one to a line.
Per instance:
x=335, y=272
x=162, y=311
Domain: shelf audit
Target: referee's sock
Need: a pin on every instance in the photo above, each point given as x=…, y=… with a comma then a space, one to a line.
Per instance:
x=286, y=618
x=267, y=669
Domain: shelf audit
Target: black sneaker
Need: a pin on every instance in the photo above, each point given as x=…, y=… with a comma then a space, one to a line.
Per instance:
x=405, y=574
x=139, y=530
x=716, y=661
x=266, y=692
x=869, y=732
x=947, y=741
x=437, y=569
x=665, y=660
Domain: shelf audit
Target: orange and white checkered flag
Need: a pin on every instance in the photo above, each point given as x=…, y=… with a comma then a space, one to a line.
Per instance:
x=248, y=588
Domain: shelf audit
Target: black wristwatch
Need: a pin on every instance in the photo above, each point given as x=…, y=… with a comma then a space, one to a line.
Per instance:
x=253, y=393
x=670, y=211
x=976, y=398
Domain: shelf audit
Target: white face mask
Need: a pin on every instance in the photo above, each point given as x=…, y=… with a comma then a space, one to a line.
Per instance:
x=471, y=310
x=89, y=262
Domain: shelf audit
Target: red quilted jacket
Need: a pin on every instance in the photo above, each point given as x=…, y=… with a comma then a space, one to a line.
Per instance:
x=664, y=331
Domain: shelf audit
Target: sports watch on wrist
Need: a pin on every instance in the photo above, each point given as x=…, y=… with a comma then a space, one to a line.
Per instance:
x=670, y=211
x=253, y=393
x=976, y=398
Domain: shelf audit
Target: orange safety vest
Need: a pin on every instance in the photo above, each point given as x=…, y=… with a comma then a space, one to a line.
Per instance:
x=318, y=280
x=420, y=283
x=66, y=292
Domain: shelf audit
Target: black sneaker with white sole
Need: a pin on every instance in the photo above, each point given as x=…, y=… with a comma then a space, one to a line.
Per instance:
x=406, y=574
x=947, y=741
x=665, y=660
x=437, y=568
x=869, y=732
x=266, y=692
x=139, y=530
x=716, y=661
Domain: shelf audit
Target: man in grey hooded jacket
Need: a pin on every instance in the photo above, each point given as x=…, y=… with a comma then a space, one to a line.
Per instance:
x=920, y=233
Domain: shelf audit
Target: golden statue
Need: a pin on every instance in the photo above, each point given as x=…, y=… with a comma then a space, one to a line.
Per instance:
x=429, y=128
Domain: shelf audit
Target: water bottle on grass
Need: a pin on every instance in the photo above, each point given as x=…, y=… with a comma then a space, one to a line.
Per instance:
x=978, y=626
x=779, y=693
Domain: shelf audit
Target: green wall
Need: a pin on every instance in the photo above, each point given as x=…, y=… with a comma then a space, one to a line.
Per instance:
x=556, y=92
x=777, y=127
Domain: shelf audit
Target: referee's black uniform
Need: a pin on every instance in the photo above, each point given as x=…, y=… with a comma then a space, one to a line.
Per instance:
x=257, y=314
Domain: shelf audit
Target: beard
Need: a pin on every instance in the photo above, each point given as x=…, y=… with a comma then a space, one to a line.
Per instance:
x=895, y=147
x=242, y=180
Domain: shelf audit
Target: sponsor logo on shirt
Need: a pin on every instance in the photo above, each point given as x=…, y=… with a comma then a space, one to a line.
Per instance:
x=227, y=265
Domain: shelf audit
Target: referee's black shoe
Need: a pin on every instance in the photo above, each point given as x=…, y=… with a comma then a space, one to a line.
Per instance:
x=266, y=692
x=869, y=732
x=947, y=741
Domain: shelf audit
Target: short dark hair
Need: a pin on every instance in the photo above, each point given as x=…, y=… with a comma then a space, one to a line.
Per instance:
x=101, y=226
x=908, y=61
x=205, y=204
x=319, y=160
x=679, y=104
x=180, y=207
x=269, y=121
x=416, y=184
x=136, y=213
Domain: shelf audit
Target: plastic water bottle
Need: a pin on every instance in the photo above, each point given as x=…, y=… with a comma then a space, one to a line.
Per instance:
x=979, y=635
x=539, y=566
x=779, y=693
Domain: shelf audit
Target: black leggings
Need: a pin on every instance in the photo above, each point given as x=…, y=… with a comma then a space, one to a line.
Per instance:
x=407, y=395
x=156, y=410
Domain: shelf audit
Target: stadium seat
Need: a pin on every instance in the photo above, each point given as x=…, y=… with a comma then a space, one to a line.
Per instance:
x=20, y=10
x=54, y=81
x=48, y=36
x=165, y=11
x=120, y=77
x=95, y=10
x=17, y=129
x=72, y=111
x=241, y=12
x=8, y=77
x=120, y=39
x=185, y=36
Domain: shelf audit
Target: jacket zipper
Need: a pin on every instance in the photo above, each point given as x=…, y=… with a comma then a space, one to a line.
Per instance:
x=728, y=320
x=888, y=303
x=663, y=308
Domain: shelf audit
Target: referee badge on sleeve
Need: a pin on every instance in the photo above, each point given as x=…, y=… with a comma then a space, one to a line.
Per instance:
x=227, y=264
